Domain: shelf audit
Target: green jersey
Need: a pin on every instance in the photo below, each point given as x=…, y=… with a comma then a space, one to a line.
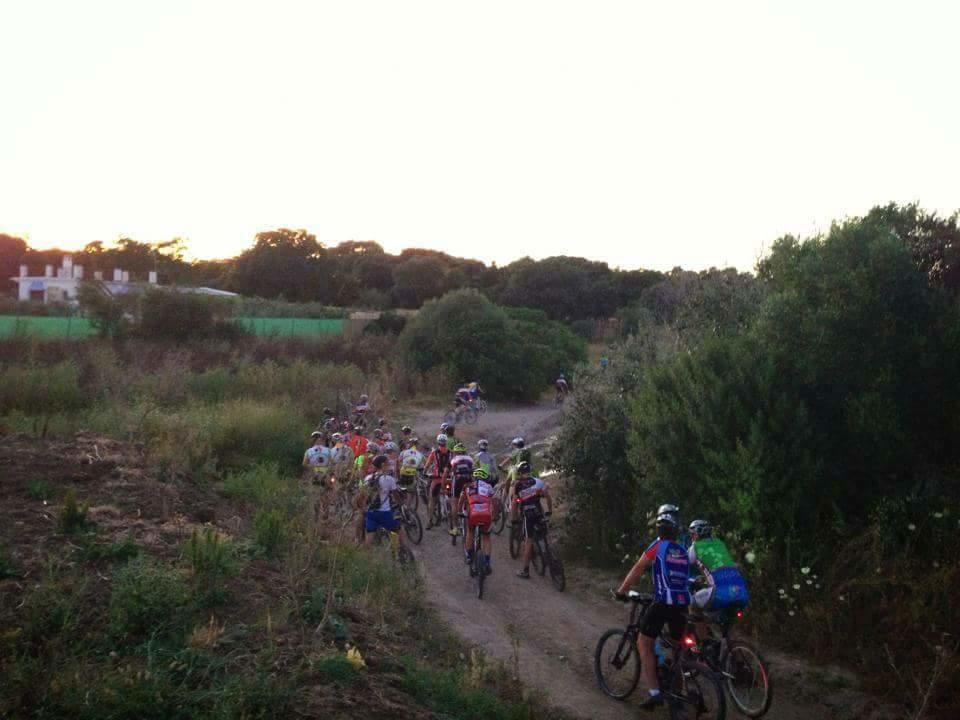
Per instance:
x=712, y=554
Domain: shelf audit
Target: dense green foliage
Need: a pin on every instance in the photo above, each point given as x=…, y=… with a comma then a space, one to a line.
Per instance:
x=811, y=414
x=514, y=353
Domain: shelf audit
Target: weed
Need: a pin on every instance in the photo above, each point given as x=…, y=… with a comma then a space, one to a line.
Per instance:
x=39, y=490
x=148, y=599
x=270, y=531
x=443, y=692
x=6, y=567
x=122, y=550
x=259, y=485
x=73, y=517
x=211, y=560
x=337, y=670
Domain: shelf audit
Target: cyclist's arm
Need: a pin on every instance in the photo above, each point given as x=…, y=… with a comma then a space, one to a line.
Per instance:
x=549, y=497
x=636, y=572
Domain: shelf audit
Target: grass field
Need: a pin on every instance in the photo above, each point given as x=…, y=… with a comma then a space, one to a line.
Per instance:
x=79, y=327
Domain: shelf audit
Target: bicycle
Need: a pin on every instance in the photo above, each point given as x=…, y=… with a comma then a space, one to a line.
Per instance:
x=500, y=504
x=463, y=413
x=741, y=667
x=543, y=558
x=443, y=508
x=478, y=569
x=402, y=555
x=686, y=683
x=409, y=519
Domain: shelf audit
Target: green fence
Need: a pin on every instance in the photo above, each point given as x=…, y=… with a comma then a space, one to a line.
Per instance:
x=292, y=326
x=52, y=327
x=78, y=327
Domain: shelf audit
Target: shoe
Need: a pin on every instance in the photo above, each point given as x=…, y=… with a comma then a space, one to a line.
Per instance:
x=467, y=560
x=455, y=532
x=525, y=574
x=652, y=702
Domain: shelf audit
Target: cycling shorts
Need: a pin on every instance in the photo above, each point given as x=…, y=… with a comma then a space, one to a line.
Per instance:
x=660, y=614
x=407, y=478
x=459, y=483
x=729, y=590
x=375, y=519
x=532, y=520
x=435, y=484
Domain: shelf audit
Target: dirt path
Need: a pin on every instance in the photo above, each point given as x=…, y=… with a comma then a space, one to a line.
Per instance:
x=551, y=635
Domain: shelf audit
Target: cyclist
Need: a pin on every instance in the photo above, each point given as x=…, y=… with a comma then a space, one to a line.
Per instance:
x=519, y=453
x=392, y=451
x=475, y=392
x=527, y=493
x=437, y=468
x=561, y=385
x=451, y=432
x=461, y=467
x=407, y=433
x=485, y=460
x=377, y=498
x=362, y=406
x=726, y=587
x=671, y=568
x=357, y=442
x=462, y=398
x=410, y=461
x=476, y=501
x=384, y=430
x=317, y=459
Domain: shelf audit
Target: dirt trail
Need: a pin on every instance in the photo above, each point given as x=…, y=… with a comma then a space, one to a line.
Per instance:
x=556, y=632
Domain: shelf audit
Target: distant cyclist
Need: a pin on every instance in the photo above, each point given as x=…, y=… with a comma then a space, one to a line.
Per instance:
x=384, y=430
x=461, y=468
x=411, y=459
x=317, y=460
x=562, y=387
x=476, y=501
x=377, y=499
x=462, y=398
x=670, y=566
x=437, y=468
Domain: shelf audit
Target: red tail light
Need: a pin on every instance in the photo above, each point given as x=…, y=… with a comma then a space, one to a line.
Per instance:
x=689, y=640
x=739, y=613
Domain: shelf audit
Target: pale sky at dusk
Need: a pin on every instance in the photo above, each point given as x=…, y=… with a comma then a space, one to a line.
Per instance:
x=643, y=134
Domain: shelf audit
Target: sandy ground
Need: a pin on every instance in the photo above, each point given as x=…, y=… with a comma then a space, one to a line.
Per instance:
x=550, y=636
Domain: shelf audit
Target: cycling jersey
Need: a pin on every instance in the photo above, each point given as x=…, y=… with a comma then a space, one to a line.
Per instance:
x=671, y=570
x=479, y=503
x=358, y=444
x=438, y=461
x=488, y=461
x=379, y=486
x=342, y=454
x=561, y=385
x=318, y=456
x=462, y=468
x=529, y=491
x=410, y=461
x=727, y=586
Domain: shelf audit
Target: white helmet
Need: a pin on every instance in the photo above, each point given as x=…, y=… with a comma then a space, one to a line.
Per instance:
x=442, y=440
x=390, y=447
x=483, y=444
x=517, y=442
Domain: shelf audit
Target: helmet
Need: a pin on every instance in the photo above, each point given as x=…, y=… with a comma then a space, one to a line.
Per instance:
x=561, y=376
x=373, y=448
x=390, y=447
x=701, y=528
x=666, y=520
x=345, y=425
x=358, y=429
x=444, y=427
x=379, y=461
x=481, y=473
x=517, y=442
x=523, y=468
x=327, y=412
x=668, y=508
x=442, y=440
x=316, y=434
x=483, y=444
x=381, y=422
x=364, y=398
x=406, y=429
x=336, y=437
x=378, y=433
x=413, y=441
x=459, y=448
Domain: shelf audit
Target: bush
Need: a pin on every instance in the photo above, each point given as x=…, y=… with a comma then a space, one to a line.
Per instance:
x=148, y=599
x=271, y=531
x=40, y=390
x=210, y=559
x=73, y=517
x=181, y=316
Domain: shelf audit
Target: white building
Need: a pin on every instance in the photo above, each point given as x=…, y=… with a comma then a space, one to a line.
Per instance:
x=61, y=284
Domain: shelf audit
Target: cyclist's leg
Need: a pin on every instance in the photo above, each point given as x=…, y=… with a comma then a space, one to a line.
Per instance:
x=468, y=541
x=486, y=544
x=527, y=543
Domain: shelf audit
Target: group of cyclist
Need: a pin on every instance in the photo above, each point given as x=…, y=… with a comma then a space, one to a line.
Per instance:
x=673, y=568
x=387, y=471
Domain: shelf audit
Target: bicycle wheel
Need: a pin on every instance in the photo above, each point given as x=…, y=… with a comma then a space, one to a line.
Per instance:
x=412, y=525
x=555, y=566
x=616, y=663
x=747, y=679
x=696, y=693
x=470, y=416
x=404, y=556
x=516, y=540
x=501, y=520
x=539, y=564
x=479, y=568
x=413, y=493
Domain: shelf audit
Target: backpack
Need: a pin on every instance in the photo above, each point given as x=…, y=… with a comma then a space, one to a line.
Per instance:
x=373, y=487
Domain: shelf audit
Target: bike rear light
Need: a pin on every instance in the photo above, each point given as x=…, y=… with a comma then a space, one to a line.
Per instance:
x=739, y=613
x=689, y=640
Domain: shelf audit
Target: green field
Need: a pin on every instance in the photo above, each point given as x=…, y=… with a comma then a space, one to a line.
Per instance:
x=79, y=327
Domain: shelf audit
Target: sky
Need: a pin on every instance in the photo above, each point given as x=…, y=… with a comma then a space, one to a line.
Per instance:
x=643, y=134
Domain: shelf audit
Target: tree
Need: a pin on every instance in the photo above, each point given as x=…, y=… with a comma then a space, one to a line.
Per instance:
x=417, y=280
x=12, y=252
x=282, y=263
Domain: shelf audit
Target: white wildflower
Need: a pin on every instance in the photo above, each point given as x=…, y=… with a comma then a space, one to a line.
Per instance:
x=938, y=515
x=750, y=557
x=796, y=586
x=911, y=527
x=805, y=570
x=809, y=582
x=841, y=598
x=792, y=613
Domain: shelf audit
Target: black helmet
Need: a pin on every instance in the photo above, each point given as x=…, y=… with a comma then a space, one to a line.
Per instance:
x=666, y=520
x=444, y=427
x=701, y=528
x=406, y=429
x=523, y=467
x=327, y=412
x=381, y=422
x=379, y=461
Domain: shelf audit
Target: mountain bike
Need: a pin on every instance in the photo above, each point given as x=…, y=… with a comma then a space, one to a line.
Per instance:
x=478, y=569
x=401, y=553
x=741, y=667
x=543, y=558
x=500, y=505
x=690, y=687
x=462, y=413
x=409, y=519
x=443, y=508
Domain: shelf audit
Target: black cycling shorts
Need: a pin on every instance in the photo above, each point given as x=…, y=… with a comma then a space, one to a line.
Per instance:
x=660, y=614
x=459, y=483
x=531, y=522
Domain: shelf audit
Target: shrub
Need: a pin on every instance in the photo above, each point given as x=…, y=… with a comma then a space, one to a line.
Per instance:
x=73, y=517
x=39, y=389
x=148, y=599
x=180, y=316
x=211, y=560
x=123, y=550
x=270, y=531
x=244, y=431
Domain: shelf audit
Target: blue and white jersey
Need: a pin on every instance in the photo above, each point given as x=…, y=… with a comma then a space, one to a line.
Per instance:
x=671, y=569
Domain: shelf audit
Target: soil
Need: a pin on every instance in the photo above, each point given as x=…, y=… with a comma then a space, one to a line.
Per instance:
x=549, y=637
